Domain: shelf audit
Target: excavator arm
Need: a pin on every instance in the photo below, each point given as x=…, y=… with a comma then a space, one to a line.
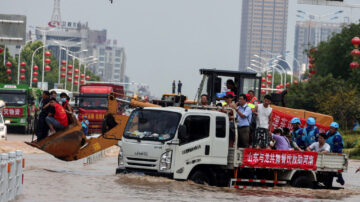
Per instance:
x=72, y=144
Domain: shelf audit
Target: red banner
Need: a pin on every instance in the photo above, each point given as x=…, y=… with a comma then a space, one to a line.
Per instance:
x=267, y=158
x=13, y=112
x=281, y=119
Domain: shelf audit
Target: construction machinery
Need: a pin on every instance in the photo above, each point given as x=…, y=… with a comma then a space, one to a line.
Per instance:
x=72, y=144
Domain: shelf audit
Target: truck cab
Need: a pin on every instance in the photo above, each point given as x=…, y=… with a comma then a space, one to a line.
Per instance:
x=174, y=142
x=93, y=102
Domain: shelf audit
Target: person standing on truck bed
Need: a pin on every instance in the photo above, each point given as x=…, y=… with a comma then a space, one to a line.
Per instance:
x=243, y=114
x=174, y=87
x=204, y=100
x=311, y=132
x=320, y=146
x=335, y=140
x=232, y=88
x=229, y=103
x=57, y=118
x=253, y=99
x=42, y=128
x=297, y=133
x=179, y=87
x=263, y=112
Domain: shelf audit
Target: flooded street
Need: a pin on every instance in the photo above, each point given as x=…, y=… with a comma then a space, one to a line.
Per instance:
x=49, y=179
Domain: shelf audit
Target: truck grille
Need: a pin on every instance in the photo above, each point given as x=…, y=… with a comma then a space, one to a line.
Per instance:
x=148, y=163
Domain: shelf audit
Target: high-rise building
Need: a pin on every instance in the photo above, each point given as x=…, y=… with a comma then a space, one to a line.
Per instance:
x=263, y=26
x=309, y=34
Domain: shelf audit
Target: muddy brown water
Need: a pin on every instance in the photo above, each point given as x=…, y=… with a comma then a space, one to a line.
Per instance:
x=49, y=179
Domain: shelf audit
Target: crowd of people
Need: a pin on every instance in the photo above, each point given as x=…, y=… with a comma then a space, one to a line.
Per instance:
x=55, y=116
x=254, y=123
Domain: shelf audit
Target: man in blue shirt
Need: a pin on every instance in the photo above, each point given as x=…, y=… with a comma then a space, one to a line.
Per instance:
x=335, y=140
x=297, y=133
x=311, y=132
x=243, y=115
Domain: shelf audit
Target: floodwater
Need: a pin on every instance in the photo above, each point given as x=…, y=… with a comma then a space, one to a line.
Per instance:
x=49, y=179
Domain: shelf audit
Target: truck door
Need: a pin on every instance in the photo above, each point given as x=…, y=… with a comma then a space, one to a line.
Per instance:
x=196, y=148
x=220, y=140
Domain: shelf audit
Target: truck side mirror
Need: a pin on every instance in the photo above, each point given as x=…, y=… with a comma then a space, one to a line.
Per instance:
x=182, y=133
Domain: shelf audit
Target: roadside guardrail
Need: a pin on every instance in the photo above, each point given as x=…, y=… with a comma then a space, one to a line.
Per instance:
x=11, y=175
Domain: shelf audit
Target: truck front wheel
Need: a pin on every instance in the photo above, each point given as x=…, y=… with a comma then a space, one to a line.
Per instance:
x=302, y=182
x=200, y=177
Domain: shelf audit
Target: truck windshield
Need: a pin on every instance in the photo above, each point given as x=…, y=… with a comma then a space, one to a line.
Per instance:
x=13, y=99
x=93, y=102
x=152, y=125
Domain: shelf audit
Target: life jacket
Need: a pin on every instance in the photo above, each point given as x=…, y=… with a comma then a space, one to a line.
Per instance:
x=297, y=136
x=335, y=141
x=253, y=100
x=310, y=137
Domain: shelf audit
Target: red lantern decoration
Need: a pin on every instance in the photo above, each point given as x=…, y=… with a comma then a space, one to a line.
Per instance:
x=47, y=53
x=63, y=75
x=35, y=74
x=63, y=62
x=82, y=75
x=22, y=70
x=82, y=81
x=63, y=69
x=288, y=84
x=296, y=82
x=22, y=77
x=69, y=79
x=76, y=70
x=47, y=60
x=70, y=66
x=263, y=79
x=263, y=85
x=36, y=67
x=69, y=73
x=281, y=86
x=311, y=60
x=311, y=66
x=9, y=78
x=263, y=92
x=35, y=80
x=268, y=82
x=312, y=72
x=47, y=68
x=87, y=77
x=23, y=64
x=355, y=52
x=1, y=50
x=76, y=82
x=277, y=87
x=354, y=65
x=8, y=71
x=269, y=76
x=8, y=64
x=76, y=76
x=355, y=41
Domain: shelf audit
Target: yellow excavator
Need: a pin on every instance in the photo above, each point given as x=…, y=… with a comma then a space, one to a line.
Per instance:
x=72, y=144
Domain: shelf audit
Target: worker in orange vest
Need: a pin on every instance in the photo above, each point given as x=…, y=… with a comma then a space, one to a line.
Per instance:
x=253, y=99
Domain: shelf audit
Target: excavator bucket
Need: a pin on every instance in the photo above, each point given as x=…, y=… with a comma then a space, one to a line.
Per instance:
x=72, y=144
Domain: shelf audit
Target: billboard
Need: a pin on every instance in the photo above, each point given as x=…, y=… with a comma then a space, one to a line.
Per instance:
x=12, y=29
x=322, y=2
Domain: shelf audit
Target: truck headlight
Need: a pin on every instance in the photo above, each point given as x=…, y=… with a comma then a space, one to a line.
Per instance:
x=121, y=163
x=165, y=161
x=22, y=121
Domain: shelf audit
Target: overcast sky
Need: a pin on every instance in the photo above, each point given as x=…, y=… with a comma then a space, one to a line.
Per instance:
x=165, y=40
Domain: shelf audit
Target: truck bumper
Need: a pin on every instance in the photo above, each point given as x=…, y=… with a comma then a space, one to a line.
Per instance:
x=145, y=172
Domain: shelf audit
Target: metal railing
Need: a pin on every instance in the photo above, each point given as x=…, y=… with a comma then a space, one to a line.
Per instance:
x=11, y=175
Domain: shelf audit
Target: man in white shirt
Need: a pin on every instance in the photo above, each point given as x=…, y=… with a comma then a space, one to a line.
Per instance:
x=263, y=123
x=320, y=146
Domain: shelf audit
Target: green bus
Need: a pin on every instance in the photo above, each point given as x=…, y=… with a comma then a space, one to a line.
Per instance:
x=21, y=103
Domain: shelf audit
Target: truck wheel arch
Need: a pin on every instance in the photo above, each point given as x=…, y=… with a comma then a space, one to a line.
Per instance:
x=207, y=169
x=296, y=174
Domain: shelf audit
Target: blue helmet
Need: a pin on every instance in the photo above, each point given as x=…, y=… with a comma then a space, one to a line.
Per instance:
x=335, y=125
x=310, y=121
x=85, y=117
x=295, y=120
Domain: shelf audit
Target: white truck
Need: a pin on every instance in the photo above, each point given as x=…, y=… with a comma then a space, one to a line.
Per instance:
x=193, y=144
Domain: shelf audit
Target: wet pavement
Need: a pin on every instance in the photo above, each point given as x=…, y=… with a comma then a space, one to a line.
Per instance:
x=49, y=179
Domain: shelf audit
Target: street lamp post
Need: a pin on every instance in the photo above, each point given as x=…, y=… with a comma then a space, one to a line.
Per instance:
x=20, y=50
x=32, y=63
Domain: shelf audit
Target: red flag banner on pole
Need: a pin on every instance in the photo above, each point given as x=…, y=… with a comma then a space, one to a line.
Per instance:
x=267, y=158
